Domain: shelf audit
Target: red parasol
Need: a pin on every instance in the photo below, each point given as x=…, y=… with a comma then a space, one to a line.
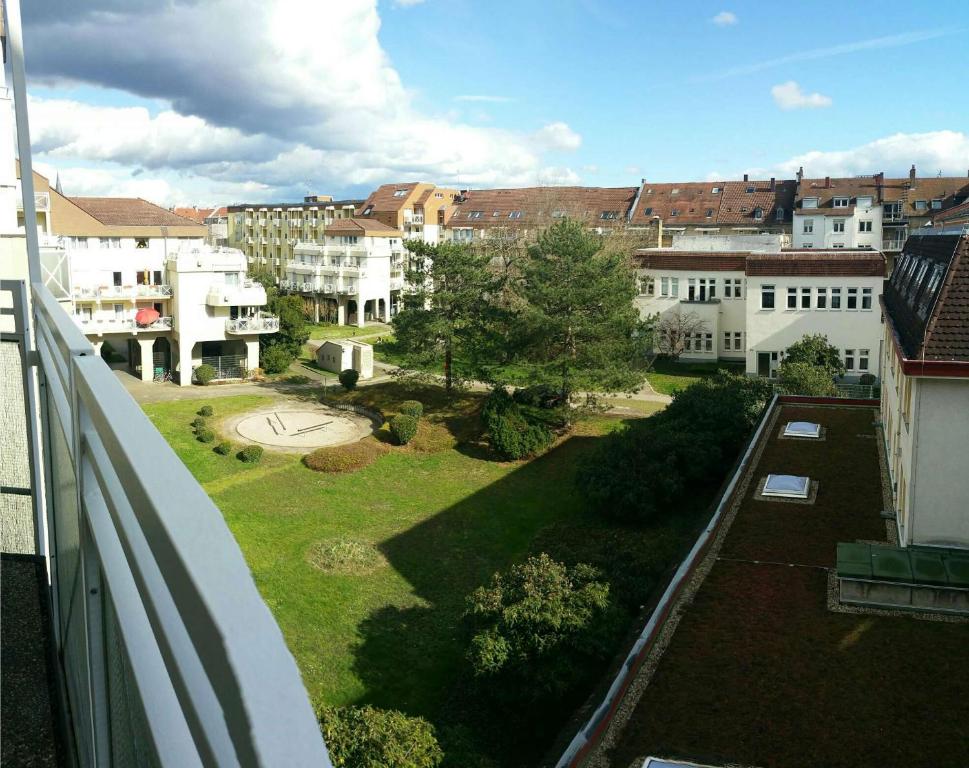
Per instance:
x=145, y=317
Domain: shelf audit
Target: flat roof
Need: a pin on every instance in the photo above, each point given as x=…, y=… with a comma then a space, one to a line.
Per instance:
x=758, y=671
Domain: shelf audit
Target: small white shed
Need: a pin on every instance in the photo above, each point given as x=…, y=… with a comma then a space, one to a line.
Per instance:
x=337, y=356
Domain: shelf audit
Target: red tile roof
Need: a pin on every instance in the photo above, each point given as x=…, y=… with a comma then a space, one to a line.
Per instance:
x=807, y=262
x=369, y=227
x=129, y=212
x=689, y=201
x=531, y=207
x=712, y=261
x=737, y=205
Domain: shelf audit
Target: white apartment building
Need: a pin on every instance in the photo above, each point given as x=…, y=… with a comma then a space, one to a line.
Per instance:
x=925, y=389
x=355, y=274
x=838, y=221
x=750, y=306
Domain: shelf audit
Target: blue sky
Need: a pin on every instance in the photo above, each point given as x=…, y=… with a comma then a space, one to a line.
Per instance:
x=500, y=93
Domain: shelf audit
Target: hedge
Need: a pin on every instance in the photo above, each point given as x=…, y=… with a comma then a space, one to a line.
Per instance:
x=345, y=458
x=403, y=427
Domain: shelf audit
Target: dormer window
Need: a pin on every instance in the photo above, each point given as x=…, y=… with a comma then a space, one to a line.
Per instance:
x=865, y=201
x=758, y=213
x=709, y=213
x=809, y=202
x=779, y=214
x=674, y=213
x=841, y=202
x=920, y=205
x=936, y=205
x=750, y=190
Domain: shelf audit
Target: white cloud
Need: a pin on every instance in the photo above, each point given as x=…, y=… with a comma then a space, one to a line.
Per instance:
x=790, y=96
x=477, y=97
x=725, y=19
x=250, y=98
x=557, y=136
x=932, y=152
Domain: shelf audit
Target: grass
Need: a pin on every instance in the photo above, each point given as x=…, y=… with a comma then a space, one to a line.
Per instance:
x=667, y=376
x=444, y=519
x=760, y=672
x=640, y=407
x=333, y=331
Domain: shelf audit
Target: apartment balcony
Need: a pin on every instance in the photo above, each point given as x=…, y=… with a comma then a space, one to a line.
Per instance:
x=396, y=284
x=123, y=292
x=246, y=294
x=894, y=219
x=893, y=243
x=100, y=326
x=41, y=201
x=259, y=323
x=260, y=222
x=147, y=618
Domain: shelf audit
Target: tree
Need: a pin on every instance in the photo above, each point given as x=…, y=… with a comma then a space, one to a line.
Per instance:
x=449, y=315
x=805, y=379
x=816, y=351
x=366, y=737
x=292, y=333
x=674, y=328
x=536, y=628
x=581, y=330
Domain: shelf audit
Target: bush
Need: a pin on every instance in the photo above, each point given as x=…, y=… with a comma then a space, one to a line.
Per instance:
x=403, y=427
x=348, y=378
x=806, y=379
x=198, y=422
x=867, y=379
x=223, y=448
x=412, y=408
x=514, y=432
x=205, y=435
x=433, y=438
x=206, y=410
x=366, y=737
x=344, y=458
x=276, y=359
x=204, y=374
x=538, y=629
x=251, y=454
x=538, y=396
x=816, y=351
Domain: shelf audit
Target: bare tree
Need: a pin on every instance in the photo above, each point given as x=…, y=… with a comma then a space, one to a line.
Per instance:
x=674, y=329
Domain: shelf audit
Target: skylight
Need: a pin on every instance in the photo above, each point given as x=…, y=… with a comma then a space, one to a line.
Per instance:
x=787, y=486
x=400, y=192
x=802, y=429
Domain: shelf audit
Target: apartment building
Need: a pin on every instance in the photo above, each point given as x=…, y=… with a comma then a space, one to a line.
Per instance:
x=216, y=221
x=267, y=232
x=416, y=209
x=751, y=306
x=714, y=208
x=871, y=211
x=925, y=388
x=483, y=213
x=354, y=274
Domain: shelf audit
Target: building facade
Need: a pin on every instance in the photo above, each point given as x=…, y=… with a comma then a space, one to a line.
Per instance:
x=751, y=306
x=925, y=388
x=416, y=209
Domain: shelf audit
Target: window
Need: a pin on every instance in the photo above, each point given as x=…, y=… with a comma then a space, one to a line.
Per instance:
x=849, y=359
x=852, y=298
x=475, y=214
x=866, y=298
x=558, y=214
x=726, y=340
x=664, y=286
x=779, y=214
x=920, y=205
x=805, y=298
x=715, y=191
x=157, y=276
x=809, y=226
x=841, y=202
x=647, y=211
x=822, y=300
x=609, y=215
x=116, y=278
x=674, y=212
x=400, y=192
x=738, y=341
x=515, y=215
x=750, y=190
x=864, y=226
x=141, y=242
x=758, y=213
x=701, y=289
x=732, y=288
x=936, y=205
x=835, y=298
x=708, y=342
x=647, y=286
x=862, y=359
x=767, y=297
x=112, y=242
x=792, y=298
x=809, y=202
x=893, y=211
x=808, y=245
x=675, y=191
x=709, y=213
x=838, y=225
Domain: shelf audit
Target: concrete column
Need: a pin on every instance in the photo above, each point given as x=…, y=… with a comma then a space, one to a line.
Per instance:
x=387, y=308
x=147, y=364
x=97, y=347
x=185, y=347
x=316, y=308
x=341, y=311
x=252, y=353
x=360, y=311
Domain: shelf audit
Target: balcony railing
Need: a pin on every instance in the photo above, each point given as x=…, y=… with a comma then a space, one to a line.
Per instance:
x=121, y=325
x=248, y=293
x=167, y=653
x=41, y=201
x=260, y=323
x=893, y=243
x=130, y=292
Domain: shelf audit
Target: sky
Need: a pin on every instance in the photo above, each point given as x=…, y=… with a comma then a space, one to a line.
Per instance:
x=220, y=101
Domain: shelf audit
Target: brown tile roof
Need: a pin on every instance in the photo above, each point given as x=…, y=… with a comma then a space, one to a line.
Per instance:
x=949, y=190
x=383, y=200
x=713, y=261
x=691, y=201
x=539, y=206
x=198, y=215
x=829, y=188
x=129, y=212
x=737, y=205
x=369, y=227
x=927, y=298
x=959, y=212
x=806, y=262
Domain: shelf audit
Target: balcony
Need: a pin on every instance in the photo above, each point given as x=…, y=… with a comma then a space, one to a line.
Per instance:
x=41, y=200
x=246, y=294
x=127, y=292
x=165, y=651
x=893, y=243
x=101, y=326
x=259, y=323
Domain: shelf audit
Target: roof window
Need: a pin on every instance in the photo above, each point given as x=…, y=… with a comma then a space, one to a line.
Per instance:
x=674, y=212
x=841, y=202
x=715, y=191
x=475, y=214
x=515, y=215
x=787, y=486
x=750, y=190
x=806, y=429
x=558, y=214
x=675, y=191
x=609, y=215
x=400, y=192
x=647, y=212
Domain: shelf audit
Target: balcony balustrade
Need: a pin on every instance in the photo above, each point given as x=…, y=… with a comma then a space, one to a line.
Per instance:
x=246, y=294
x=102, y=325
x=130, y=292
x=259, y=323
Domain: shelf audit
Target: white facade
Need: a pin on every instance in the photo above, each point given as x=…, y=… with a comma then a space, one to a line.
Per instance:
x=337, y=356
x=357, y=277
x=859, y=226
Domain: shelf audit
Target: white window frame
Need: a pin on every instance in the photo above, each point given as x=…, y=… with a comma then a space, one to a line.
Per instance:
x=841, y=202
x=765, y=291
x=808, y=228
x=838, y=225
x=805, y=295
x=866, y=298
x=836, y=298
x=821, y=302
x=849, y=360
x=864, y=225
x=852, y=299
x=864, y=356
x=791, y=298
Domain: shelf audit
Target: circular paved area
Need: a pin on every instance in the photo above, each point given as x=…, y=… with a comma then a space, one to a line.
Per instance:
x=301, y=427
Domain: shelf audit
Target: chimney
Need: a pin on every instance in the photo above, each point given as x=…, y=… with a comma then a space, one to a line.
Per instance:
x=827, y=182
x=745, y=177
x=771, y=183
x=879, y=184
x=911, y=175
x=800, y=174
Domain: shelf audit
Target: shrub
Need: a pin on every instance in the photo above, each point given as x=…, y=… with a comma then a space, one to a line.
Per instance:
x=538, y=629
x=204, y=374
x=276, y=359
x=348, y=378
x=198, y=422
x=206, y=410
x=205, y=435
x=412, y=408
x=868, y=379
x=223, y=448
x=344, y=458
x=403, y=427
x=433, y=438
x=366, y=737
x=251, y=454
x=816, y=351
x=514, y=433
x=538, y=396
x=806, y=379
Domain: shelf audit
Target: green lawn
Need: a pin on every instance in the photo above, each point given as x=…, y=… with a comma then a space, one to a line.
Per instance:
x=333, y=331
x=444, y=523
x=667, y=376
